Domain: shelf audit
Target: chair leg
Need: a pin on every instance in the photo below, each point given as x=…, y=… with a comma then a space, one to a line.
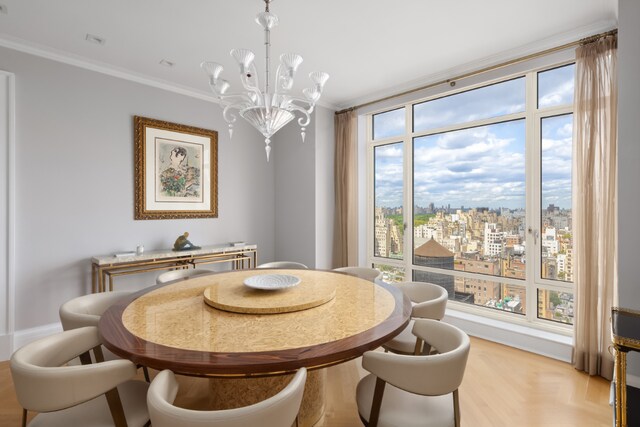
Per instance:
x=97, y=353
x=146, y=374
x=24, y=417
x=115, y=407
x=417, y=350
x=456, y=408
x=85, y=358
x=378, y=392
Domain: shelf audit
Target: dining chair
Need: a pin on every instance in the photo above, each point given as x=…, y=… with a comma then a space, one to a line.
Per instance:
x=183, y=273
x=408, y=391
x=280, y=410
x=99, y=394
x=428, y=301
x=284, y=264
x=370, y=274
x=86, y=310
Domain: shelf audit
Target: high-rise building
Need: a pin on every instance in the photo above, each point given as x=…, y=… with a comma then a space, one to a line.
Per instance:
x=493, y=240
x=433, y=254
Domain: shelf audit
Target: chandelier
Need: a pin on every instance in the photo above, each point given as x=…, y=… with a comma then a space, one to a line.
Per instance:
x=271, y=108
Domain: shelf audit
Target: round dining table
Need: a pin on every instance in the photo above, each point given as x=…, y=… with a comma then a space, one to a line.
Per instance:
x=250, y=340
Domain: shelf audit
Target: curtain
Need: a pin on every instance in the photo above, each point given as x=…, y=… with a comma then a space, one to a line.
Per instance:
x=345, y=235
x=595, y=204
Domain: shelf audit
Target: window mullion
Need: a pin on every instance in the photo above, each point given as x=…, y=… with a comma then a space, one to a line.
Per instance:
x=532, y=178
x=408, y=193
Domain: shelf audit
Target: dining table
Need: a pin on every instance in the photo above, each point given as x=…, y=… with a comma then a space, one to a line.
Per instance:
x=250, y=330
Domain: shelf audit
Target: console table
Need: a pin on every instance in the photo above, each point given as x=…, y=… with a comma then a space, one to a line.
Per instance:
x=105, y=268
x=625, y=328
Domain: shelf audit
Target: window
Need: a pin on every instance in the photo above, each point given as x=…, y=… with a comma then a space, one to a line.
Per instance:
x=388, y=229
x=475, y=187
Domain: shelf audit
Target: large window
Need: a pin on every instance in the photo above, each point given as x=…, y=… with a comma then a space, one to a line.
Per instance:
x=472, y=191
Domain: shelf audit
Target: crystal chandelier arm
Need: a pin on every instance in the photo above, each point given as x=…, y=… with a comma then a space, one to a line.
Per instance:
x=306, y=118
x=250, y=80
x=300, y=103
x=228, y=115
x=289, y=63
x=243, y=97
x=281, y=86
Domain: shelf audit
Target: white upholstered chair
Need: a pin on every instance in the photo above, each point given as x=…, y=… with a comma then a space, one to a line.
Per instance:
x=278, y=411
x=86, y=310
x=370, y=274
x=408, y=391
x=100, y=394
x=183, y=273
x=284, y=264
x=429, y=302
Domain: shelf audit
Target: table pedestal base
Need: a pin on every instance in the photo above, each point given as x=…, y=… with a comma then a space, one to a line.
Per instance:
x=229, y=393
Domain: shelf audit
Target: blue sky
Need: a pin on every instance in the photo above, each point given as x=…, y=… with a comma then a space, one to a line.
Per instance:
x=483, y=166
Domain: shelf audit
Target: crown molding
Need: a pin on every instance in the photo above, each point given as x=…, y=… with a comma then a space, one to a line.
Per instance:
x=46, y=52
x=531, y=48
x=64, y=57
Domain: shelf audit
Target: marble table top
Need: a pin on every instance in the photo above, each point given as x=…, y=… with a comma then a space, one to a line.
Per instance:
x=169, y=253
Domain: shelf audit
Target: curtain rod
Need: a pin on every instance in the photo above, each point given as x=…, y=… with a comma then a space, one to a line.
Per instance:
x=452, y=80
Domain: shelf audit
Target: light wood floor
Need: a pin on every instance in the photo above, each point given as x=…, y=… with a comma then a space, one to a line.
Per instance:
x=502, y=387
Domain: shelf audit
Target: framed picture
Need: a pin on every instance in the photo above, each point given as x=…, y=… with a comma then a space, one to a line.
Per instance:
x=176, y=170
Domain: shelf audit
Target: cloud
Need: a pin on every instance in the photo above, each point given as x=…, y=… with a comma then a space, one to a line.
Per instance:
x=388, y=124
x=473, y=167
x=485, y=102
x=558, y=94
x=482, y=166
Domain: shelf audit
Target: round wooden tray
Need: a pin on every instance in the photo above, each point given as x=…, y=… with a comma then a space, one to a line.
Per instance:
x=233, y=295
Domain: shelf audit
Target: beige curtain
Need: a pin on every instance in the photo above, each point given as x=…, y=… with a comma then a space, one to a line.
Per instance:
x=345, y=230
x=595, y=204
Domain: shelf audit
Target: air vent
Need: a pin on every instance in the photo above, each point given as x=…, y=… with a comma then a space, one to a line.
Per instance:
x=95, y=39
x=167, y=63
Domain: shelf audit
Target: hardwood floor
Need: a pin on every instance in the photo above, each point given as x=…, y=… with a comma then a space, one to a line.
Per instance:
x=502, y=387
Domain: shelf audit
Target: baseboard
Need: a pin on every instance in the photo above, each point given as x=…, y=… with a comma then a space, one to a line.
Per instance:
x=547, y=344
x=5, y=347
x=25, y=336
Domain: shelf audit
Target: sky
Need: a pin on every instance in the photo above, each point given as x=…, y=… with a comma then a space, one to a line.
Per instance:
x=482, y=166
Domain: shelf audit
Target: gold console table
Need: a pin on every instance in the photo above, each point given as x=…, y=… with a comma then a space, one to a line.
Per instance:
x=625, y=328
x=105, y=268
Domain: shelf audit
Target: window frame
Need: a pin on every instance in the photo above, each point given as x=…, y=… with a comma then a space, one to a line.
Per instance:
x=533, y=199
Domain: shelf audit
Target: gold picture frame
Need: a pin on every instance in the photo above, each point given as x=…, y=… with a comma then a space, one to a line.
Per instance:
x=176, y=170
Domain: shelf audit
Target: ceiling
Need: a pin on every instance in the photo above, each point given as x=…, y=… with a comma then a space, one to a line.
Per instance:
x=371, y=48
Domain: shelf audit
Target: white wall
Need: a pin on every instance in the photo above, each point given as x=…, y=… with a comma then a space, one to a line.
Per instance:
x=629, y=160
x=74, y=180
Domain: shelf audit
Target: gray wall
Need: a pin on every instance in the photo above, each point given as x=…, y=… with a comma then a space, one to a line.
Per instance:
x=74, y=180
x=304, y=191
x=5, y=120
x=294, y=163
x=629, y=160
x=325, y=201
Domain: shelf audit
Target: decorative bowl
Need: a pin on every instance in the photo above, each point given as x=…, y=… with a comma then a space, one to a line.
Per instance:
x=271, y=282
